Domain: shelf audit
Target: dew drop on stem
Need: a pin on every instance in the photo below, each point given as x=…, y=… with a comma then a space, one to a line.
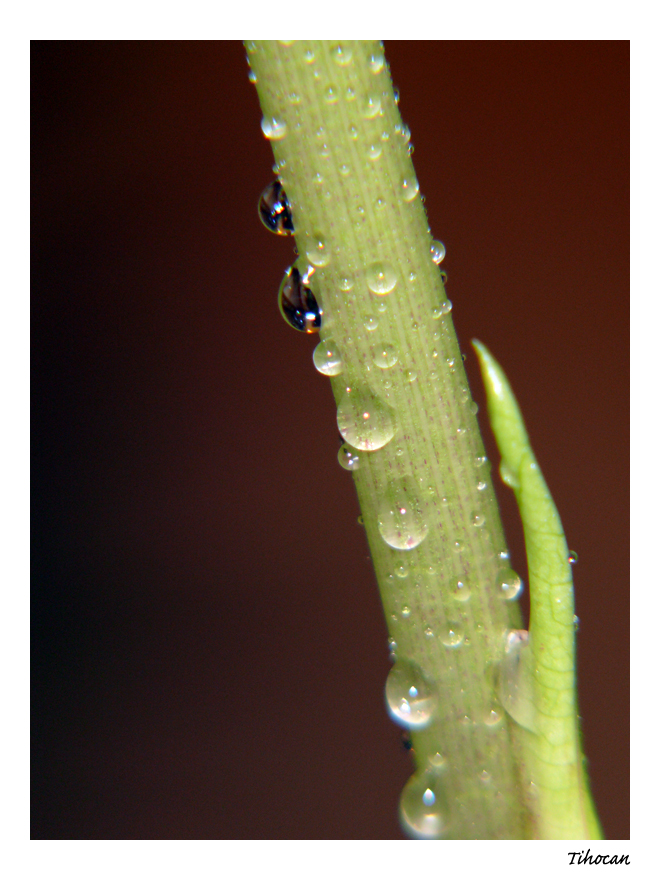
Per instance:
x=423, y=808
x=410, y=696
x=297, y=303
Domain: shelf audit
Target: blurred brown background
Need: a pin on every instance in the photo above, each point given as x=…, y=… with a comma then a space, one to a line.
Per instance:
x=209, y=653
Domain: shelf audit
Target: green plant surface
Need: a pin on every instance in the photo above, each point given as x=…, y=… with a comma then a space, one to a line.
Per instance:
x=537, y=680
x=412, y=442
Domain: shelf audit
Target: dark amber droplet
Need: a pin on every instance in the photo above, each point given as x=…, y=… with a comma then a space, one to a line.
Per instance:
x=297, y=302
x=274, y=209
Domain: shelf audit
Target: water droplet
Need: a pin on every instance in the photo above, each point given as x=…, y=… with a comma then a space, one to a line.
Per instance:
x=376, y=62
x=405, y=611
x=576, y=623
x=353, y=132
x=327, y=359
x=461, y=591
x=457, y=547
x=480, y=460
x=344, y=170
x=410, y=697
x=404, y=131
x=274, y=209
x=397, y=96
x=350, y=94
x=341, y=54
x=371, y=323
x=482, y=486
x=365, y=421
x=437, y=760
x=401, y=571
x=375, y=151
x=478, y=520
x=360, y=520
x=330, y=95
x=274, y=129
x=443, y=277
x=371, y=107
x=509, y=584
x=572, y=557
x=515, y=684
x=385, y=356
x=485, y=777
x=508, y=476
x=345, y=283
x=437, y=252
x=309, y=57
x=410, y=375
x=297, y=302
x=409, y=187
x=381, y=278
x=348, y=458
x=453, y=635
x=252, y=76
x=504, y=555
x=423, y=807
x=492, y=717
x=401, y=519
x=317, y=251
x=428, y=633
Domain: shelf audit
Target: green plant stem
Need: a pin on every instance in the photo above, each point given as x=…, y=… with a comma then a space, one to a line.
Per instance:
x=404, y=406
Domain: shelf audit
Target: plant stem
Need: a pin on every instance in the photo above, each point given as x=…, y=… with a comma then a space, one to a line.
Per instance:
x=405, y=410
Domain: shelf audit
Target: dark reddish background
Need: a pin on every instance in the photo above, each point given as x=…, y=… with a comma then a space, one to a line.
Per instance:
x=209, y=652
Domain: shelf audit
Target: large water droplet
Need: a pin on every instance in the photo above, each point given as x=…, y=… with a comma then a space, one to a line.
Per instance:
x=274, y=209
x=409, y=187
x=371, y=107
x=374, y=151
x=508, y=476
x=381, y=278
x=364, y=421
x=515, y=684
x=423, y=807
x=317, y=251
x=385, y=356
x=331, y=95
x=348, y=458
x=509, y=584
x=461, y=590
x=401, y=520
x=376, y=62
x=410, y=696
x=297, y=303
x=274, y=129
x=437, y=252
x=341, y=54
x=327, y=359
x=453, y=635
